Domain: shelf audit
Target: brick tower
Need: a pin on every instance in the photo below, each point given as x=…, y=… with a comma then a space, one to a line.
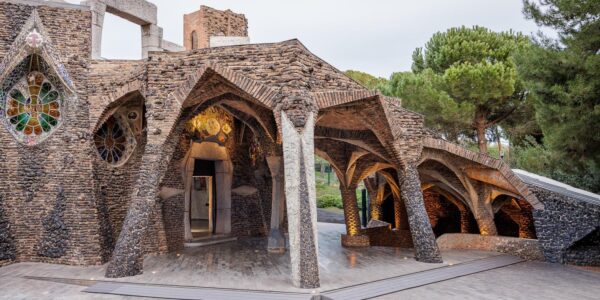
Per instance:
x=209, y=27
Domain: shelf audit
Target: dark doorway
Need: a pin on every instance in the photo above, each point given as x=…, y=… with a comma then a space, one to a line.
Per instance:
x=203, y=195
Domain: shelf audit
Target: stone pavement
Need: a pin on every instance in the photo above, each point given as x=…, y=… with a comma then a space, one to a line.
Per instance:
x=247, y=265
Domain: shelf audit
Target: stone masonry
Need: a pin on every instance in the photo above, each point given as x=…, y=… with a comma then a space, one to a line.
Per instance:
x=110, y=182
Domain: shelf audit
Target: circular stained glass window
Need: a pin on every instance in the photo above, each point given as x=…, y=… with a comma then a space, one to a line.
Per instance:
x=113, y=141
x=33, y=107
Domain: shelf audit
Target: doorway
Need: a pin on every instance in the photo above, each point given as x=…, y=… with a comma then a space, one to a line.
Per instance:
x=202, y=199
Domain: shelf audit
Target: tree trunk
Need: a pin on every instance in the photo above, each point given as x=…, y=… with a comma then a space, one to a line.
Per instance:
x=499, y=141
x=480, y=126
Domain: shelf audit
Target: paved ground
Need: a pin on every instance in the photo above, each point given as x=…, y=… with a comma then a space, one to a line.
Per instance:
x=246, y=265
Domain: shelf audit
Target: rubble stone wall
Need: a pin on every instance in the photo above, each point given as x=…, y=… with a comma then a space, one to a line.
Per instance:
x=32, y=175
x=563, y=223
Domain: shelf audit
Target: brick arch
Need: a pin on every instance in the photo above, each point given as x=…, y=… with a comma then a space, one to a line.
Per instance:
x=487, y=161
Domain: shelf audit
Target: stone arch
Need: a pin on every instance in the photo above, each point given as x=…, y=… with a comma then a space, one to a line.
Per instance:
x=161, y=146
x=513, y=217
x=487, y=161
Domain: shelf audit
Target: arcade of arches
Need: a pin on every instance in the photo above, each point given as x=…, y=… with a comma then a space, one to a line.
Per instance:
x=115, y=159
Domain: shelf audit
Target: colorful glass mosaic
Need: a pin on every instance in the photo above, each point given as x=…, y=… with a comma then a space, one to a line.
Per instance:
x=31, y=104
x=211, y=125
x=114, y=141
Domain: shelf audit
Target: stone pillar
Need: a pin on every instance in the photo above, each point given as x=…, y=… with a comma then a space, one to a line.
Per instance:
x=353, y=236
x=98, y=10
x=151, y=39
x=483, y=213
x=127, y=259
x=426, y=248
x=301, y=202
x=276, y=242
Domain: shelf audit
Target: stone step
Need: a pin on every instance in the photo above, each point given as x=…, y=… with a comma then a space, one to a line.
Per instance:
x=211, y=240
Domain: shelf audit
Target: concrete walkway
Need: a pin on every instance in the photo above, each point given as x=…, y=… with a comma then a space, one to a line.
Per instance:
x=245, y=264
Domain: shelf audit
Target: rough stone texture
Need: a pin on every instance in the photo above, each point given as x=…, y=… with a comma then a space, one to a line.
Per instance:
x=426, y=249
x=301, y=202
x=116, y=212
x=7, y=241
x=32, y=175
x=56, y=234
x=562, y=224
x=525, y=248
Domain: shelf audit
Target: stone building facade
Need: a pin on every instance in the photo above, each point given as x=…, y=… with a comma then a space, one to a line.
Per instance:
x=103, y=161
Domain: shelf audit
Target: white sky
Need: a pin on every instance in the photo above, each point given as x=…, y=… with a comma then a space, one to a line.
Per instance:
x=376, y=36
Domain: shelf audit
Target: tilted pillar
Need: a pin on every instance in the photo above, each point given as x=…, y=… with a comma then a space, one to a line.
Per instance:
x=127, y=259
x=483, y=213
x=353, y=236
x=276, y=241
x=426, y=248
x=301, y=203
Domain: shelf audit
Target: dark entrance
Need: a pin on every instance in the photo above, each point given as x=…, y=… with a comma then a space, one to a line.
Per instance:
x=203, y=195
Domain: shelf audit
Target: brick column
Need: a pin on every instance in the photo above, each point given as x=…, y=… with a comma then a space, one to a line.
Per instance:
x=276, y=241
x=482, y=211
x=375, y=196
x=426, y=248
x=301, y=202
x=353, y=236
x=465, y=223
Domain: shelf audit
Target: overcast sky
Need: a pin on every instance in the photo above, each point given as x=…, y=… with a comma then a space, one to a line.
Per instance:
x=376, y=36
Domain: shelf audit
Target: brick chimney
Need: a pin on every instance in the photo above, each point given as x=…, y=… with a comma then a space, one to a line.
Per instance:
x=209, y=27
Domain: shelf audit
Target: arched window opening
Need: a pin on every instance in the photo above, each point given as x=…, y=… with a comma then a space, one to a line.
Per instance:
x=513, y=217
x=194, y=40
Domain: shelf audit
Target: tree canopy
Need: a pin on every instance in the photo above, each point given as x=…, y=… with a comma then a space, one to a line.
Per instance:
x=464, y=79
x=564, y=79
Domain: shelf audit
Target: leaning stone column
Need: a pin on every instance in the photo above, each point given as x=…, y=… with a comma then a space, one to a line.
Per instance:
x=353, y=236
x=276, y=241
x=482, y=211
x=127, y=259
x=426, y=248
x=301, y=203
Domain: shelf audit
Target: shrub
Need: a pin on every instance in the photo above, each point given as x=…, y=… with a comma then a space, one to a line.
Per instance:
x=329, y=201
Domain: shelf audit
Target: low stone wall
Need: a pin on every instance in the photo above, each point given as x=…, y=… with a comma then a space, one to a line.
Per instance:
x=525, y=248
x=387, y=237
x=562, y=224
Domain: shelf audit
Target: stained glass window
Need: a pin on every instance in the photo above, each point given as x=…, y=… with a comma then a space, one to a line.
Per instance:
x=114, y=141
x=31, y=105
